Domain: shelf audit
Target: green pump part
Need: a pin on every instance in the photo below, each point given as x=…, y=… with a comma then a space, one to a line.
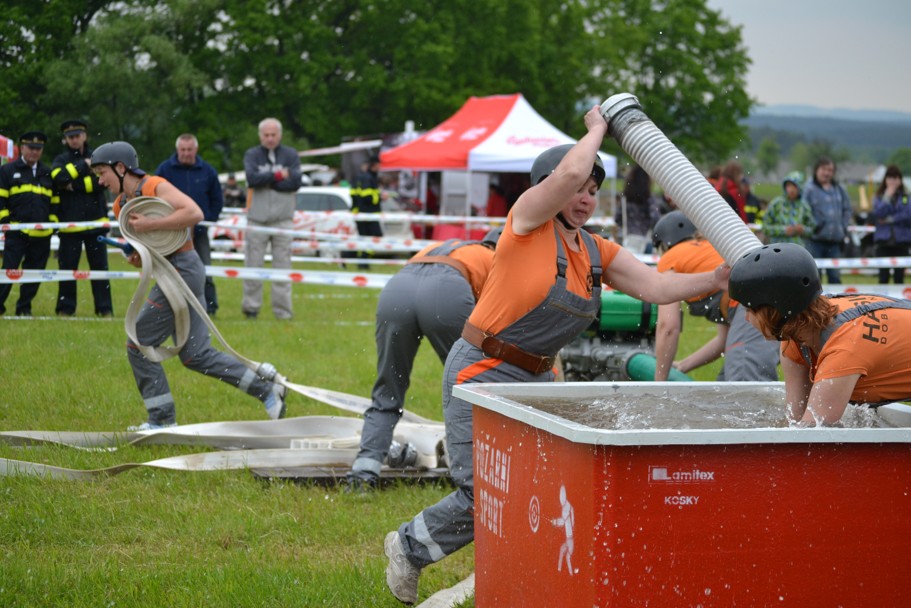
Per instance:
x=641, y=367
x=620, y=312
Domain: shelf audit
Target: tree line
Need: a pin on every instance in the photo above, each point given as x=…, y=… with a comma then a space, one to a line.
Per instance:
x=147, y=70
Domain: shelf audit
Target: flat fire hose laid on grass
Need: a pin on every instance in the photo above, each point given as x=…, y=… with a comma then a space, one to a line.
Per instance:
x=279, y=447
x=326, y=445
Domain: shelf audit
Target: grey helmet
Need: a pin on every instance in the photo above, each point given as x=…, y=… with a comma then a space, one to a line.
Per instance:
x=548, y=160
x=782, y=275
x=117, y=152
x=671, y=229
x=492, y=237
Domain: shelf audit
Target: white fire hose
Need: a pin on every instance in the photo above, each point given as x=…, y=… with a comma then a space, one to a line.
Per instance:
x=302, y=443
x=693, y=194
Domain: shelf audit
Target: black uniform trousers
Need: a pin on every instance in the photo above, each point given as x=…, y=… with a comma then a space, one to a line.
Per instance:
x=32, y=252
x=96, y=253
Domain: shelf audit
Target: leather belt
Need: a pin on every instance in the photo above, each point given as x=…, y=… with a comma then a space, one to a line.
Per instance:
x=498, y=349
x=188, y=246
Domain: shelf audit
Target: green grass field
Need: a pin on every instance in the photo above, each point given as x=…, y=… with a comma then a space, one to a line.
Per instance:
x=163, y=538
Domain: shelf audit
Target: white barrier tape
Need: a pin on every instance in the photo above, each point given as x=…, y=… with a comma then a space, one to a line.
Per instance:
x=49, y=276
x=477, y=222
x=824, y=263
x=342, y=279
x=308, y=277
x=234, y=255
x=305, y=277
x=851, y=263
x=55, y=226
x=348, y=242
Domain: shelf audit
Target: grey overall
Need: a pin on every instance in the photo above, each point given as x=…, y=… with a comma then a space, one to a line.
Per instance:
x=447, y=526
x=748, y=356
x=422, y=299
x=155, y=324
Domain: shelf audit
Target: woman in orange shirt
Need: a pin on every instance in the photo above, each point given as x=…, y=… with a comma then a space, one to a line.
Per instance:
x=543, y=290
x=835, y=350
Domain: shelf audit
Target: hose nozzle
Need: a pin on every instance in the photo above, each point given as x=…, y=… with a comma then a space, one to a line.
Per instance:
x=267, y=372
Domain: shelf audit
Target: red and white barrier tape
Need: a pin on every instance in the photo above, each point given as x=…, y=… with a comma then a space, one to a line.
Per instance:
x=343, y=279
x=308, y=277
x=390, y=216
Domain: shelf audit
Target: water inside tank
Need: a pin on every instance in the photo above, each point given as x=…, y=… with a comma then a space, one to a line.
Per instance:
x=710, y=408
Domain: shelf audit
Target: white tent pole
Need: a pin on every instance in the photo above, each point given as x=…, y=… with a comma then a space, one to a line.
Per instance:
x=467, y=201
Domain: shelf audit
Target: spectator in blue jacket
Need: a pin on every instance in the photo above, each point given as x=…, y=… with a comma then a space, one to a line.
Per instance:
x=197, y=179
x=832, y=213
x=892, y=215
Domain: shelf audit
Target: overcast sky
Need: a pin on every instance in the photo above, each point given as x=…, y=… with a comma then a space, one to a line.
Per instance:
x=852, y=54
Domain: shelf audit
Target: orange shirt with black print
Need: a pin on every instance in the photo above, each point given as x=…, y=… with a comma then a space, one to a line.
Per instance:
x=524, y=269
x=691, y=257
x=876, y=345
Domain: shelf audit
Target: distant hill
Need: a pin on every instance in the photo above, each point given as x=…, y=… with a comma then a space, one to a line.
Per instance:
x=890, y=116
x=871, y=135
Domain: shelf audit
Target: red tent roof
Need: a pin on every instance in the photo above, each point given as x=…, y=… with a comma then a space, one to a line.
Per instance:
x=472, y=124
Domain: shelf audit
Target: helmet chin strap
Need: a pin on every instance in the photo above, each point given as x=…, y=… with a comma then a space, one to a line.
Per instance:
x=121, y=178
x=564, y=222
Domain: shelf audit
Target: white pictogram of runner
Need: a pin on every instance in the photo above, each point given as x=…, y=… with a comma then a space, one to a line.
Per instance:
x=567, y=520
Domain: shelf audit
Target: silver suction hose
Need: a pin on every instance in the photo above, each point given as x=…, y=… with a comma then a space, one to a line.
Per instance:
x=688, y=188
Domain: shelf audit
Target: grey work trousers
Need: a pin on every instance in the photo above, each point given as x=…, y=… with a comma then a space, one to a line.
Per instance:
x=432, y=300
x=748, y=356
x=155, y=324
x=255, y=246
x=443, y=528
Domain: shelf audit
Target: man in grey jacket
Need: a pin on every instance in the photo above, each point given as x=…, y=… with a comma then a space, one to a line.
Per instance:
x=274, y=174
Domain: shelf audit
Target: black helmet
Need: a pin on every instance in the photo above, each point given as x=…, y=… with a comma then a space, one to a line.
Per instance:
x=117, y=152
x=548, y=160
x=672, y=228
x=782, y=275
x=492, y=236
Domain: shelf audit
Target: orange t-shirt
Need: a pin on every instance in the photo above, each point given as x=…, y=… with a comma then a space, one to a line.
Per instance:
x=691, y=257
x=149, y=186
x=476, y=258
x=874, y=345
x=525, y=268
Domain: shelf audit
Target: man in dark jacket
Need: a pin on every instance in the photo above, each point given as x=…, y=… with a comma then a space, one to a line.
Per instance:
x=81, y=200
x=26, y=196
x=197, y=179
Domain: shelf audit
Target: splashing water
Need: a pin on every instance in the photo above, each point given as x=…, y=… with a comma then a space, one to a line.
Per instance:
x=696, y=409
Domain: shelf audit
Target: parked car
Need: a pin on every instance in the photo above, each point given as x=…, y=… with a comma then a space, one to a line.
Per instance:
x=312, y=214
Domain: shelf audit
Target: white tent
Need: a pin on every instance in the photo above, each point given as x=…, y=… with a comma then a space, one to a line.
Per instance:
x=496, y=134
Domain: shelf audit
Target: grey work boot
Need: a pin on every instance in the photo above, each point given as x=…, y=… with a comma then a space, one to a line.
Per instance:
x=401, y=575
x=275, y=402
x=361, y=482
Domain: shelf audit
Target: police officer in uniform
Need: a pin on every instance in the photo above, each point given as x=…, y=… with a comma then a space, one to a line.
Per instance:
x=26, y=196
x=365, y=198
x=81, y=200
